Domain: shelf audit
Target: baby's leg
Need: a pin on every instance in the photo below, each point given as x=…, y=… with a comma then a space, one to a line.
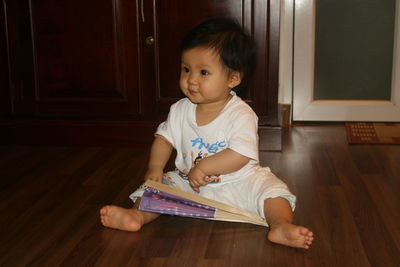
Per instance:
x=280, y=218
x=125, y=219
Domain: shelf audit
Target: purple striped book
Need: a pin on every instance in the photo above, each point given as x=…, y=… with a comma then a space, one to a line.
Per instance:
x=154, y=200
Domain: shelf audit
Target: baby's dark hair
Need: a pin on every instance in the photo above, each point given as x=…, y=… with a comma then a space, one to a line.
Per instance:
x=231, y=42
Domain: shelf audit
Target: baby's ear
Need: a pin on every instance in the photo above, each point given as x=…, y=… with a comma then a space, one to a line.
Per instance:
x=235, y=79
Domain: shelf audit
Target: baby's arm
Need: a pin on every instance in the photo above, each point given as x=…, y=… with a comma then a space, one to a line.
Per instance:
x=226, y=161
x=159, y=155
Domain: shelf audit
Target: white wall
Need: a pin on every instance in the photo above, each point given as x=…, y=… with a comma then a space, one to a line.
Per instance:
x=286, y=53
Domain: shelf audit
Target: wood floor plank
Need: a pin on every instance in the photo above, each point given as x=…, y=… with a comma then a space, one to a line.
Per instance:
x=364, y=210
x=347, y=194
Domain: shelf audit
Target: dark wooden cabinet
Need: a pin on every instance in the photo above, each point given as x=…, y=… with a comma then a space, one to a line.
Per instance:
x=76, y=58
x=5, y=100
x=105, y=72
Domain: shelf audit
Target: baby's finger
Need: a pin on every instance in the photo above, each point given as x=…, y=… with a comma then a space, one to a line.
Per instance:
x=195, y=187
x=154, y=178
x=212, y=180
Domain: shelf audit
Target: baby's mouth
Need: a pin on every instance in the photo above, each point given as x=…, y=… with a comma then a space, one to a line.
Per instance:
x=192, y=92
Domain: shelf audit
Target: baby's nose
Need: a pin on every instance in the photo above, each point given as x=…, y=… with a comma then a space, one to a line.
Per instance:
x=192, y=79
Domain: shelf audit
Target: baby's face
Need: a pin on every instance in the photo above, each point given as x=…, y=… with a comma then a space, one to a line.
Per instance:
x=204, y=79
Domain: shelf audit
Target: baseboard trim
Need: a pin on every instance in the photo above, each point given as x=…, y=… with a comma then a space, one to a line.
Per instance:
x=285, y=115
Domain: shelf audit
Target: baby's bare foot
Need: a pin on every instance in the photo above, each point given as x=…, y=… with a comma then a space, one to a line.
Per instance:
x=291, y=235
x=120, y=218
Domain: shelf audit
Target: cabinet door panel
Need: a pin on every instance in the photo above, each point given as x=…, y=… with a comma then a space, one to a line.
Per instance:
x=171, y=29
x=85, y=58
x=173, y=19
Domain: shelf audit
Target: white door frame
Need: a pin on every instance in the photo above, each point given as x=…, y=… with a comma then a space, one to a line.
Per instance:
x=305, y=108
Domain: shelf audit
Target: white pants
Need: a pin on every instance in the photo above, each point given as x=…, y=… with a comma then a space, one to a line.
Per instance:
x=248, y=194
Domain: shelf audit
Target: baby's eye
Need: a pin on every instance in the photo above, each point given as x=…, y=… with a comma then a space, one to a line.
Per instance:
x=185, y=69
x=204, y=72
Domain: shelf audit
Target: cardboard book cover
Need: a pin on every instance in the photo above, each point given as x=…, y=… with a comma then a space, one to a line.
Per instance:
x=163, y=199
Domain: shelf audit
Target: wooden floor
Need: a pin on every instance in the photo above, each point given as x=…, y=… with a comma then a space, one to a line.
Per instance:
x=348, y=195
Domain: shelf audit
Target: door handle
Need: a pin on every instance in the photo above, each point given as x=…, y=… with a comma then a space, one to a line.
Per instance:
x=150, y=40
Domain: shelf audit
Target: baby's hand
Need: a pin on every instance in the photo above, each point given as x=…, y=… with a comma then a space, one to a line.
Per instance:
x=197, y=178
x=154, y=174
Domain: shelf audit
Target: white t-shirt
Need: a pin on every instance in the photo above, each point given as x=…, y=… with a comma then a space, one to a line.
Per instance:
x=234, y=128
